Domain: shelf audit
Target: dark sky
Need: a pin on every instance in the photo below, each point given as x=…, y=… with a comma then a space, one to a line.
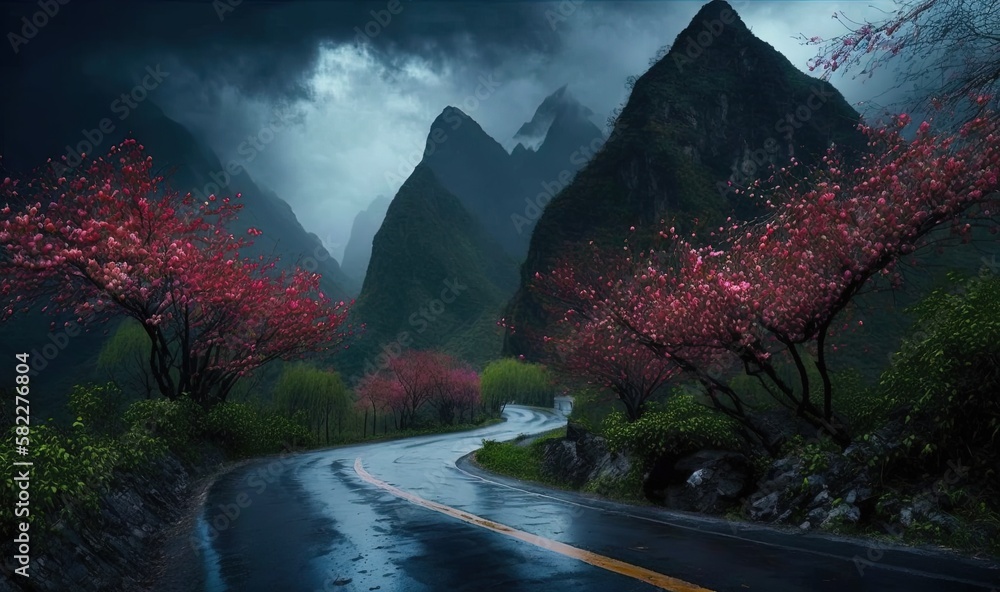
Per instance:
x=361, y=111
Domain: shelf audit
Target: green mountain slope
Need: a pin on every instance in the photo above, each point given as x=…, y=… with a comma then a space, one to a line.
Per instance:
x=718, y=100
x=436, y=279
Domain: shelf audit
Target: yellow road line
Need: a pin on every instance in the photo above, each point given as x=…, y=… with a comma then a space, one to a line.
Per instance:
x=626, y=569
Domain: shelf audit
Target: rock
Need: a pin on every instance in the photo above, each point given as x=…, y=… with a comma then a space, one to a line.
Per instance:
x=805, y=525
x=822, y=498
x=818, y=515
x=582, y=457
x=765, y=508
x=946, y=522
x=698, y=477
x=817, y=483
x=842, y=513
x=576, y=432
x=710, y=481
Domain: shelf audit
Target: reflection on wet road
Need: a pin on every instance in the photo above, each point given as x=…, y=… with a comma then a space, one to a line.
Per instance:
x=314, y=522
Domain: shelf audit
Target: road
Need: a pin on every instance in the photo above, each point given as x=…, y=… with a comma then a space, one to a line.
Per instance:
x=400, y=516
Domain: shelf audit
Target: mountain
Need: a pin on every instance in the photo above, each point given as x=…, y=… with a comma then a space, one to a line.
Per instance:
x=436, y=279
x=462, y=216
x=570, y=139
x=559, y=104
x=720, y=106
x=358, y=251
x=506, y=192
x=475, y=168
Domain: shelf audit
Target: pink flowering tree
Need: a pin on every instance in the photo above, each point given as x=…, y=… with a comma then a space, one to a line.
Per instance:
x=378, y=393
x=770, y=293
x=595, y=349
x=913, y=38
x=466, y=392
x=113, y=238
x=455, y=389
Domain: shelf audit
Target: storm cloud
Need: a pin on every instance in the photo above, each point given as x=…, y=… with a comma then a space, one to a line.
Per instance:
x=357, y=84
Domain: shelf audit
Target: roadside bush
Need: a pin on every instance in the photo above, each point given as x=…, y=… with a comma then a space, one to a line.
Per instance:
x=516, y=460
x=591, y=407
x=178, y=424
x=947, y=374
x=679, y=426
x=99, y=407
x=71, y=470
x=507, y=458
x=512, y=381
x=863, y=407
x=246, y=430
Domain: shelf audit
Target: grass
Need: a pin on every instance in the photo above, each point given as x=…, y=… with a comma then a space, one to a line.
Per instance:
x=514, y=460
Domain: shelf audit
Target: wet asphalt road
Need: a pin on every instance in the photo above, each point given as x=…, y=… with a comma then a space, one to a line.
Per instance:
x=309, y=522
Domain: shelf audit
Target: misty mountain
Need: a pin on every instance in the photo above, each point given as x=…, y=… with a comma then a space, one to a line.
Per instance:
x=464, y=213
x=719, y=107
x=436, y=279
x=533, y=133
x=358, y=251
x=506, y=192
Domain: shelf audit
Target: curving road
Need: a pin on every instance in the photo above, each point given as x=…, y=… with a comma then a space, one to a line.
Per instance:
x=402, y=516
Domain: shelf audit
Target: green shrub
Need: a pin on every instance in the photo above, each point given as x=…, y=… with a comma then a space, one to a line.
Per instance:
x=679, y=426
x=511, y=381
x=518, y=461
x=947, y=374
x=99, y=407
x=178, y=424
x=70, y=470
x=244, y=429
x=507, y=458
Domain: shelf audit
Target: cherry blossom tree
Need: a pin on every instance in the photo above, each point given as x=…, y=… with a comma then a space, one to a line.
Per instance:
x=455, y=389
x=113, y=238
x=600, y=352
x=416, y=379
x=378, y=392
x=466, y=392
x=418, y=373
x=770, y=293
x=944, y=49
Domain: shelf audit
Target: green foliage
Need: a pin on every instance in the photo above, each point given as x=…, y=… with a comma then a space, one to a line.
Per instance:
x=507, y=458
x=124, y=359
x=591, y=407
x=862, y=406
x=947, y=374
x=320, y=396
x=244, y=429
x=99, y=407
x=679, y=426
x=511, y=381
x=628, y=489
x=71, y=469
x=514, y=460
x=815, y=455
x=179, y=425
